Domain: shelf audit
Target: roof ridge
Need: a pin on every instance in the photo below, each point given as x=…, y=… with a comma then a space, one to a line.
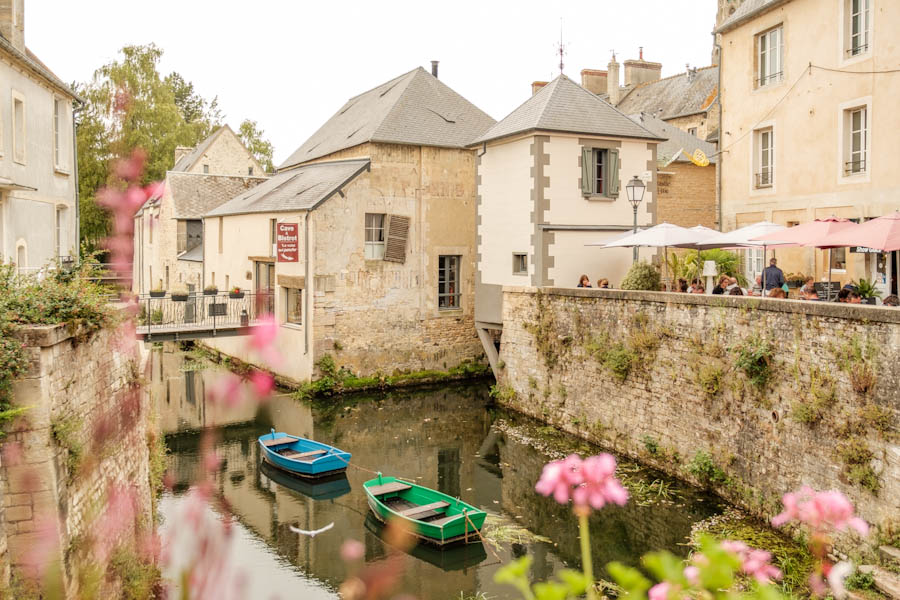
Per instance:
x=599, y=99
x=380, y=85
x=215, y=175
x=683, y=73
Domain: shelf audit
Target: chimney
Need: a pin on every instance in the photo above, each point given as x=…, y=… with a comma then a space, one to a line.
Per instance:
x=434, y=65
x=180, y=151
x=12, y=23
x=612, y=80
x=536, y=86
x=641, y=71
x=594, y=81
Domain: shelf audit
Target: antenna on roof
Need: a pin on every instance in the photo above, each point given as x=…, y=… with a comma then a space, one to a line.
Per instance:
x=561, y=47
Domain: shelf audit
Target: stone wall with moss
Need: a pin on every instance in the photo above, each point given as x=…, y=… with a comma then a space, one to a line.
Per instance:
x=85, y=430
x=750, y=397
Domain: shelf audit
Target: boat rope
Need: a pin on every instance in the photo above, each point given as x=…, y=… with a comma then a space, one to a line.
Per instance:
x=484, y=542
x=356, y=466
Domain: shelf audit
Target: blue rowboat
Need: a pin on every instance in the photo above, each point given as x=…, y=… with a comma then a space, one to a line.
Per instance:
x=302, y=457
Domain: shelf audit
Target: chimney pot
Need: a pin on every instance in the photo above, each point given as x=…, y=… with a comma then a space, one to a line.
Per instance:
x=434, y=67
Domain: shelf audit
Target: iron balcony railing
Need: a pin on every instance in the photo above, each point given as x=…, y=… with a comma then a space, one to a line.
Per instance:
x=854, y=167
x=857, y=50
x=765, y=179
x=200, y=311
x=769, y=79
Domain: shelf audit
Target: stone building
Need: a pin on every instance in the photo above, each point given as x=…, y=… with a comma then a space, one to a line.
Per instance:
x=808, y=121
x=168, y=229
x=38, y=187
x=685, y=191
x=551, y=178
x=380, y=204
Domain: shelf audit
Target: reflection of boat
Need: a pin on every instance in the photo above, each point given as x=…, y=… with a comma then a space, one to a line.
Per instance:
x=450, y=558
x=432, y=515
x=322, y=488
x=303, y=457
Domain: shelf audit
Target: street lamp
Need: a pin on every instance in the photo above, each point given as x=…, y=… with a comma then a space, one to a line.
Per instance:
x=635, y=191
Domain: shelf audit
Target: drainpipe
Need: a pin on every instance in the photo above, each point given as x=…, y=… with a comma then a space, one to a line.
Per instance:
x=76, y=108
x=719, y=152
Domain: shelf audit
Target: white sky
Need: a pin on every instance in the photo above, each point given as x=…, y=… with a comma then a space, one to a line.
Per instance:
x=291, y=64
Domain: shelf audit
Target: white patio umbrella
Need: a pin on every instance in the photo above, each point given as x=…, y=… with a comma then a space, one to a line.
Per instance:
x=746, y=237
x=658, y=236
x=702, y=234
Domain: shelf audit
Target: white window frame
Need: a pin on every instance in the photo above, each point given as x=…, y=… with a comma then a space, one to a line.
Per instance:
x=770, y=67
x=60, y=120
x=23, y=158
x=60, y=212
x=374, y=247
x=450, y=300
x=855, y=45
x=844, y=141
x=287, y=305
x=762, y=175
x=754, y=266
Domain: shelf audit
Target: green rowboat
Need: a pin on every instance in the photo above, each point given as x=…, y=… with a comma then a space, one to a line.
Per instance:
x=432, y=516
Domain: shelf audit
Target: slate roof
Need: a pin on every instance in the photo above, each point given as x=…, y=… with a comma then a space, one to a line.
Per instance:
x=195, y=254
x=415, y=108
x=563, y=105
x=195, y=194
x=746, y=11
x=302, y=188
x=188, y=160
x=675, y=96
x=677, y=140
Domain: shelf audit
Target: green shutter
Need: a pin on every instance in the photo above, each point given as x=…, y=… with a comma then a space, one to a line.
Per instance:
x=587, y=171
x=613, y=173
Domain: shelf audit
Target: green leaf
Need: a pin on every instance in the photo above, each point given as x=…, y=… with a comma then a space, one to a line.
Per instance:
x=632, y=581
x=551, y=590
x=665, y=566
x=514, y=572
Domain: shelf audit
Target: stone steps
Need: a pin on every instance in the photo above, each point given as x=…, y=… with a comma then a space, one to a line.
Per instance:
x=885, y=582
x=890, y=556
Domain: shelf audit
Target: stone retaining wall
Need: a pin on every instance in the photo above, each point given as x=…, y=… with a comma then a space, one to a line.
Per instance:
x=659, y=377
x=85, y=430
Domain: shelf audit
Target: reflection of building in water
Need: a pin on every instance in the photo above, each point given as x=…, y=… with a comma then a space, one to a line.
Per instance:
x=432, y=439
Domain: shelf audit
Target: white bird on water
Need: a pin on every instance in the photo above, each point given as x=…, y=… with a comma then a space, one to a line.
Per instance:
x=313, y=533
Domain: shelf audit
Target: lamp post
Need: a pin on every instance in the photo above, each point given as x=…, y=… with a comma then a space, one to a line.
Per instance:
x=635, y=192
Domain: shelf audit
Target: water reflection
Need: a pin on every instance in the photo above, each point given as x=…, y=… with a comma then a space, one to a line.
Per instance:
x=442, y=438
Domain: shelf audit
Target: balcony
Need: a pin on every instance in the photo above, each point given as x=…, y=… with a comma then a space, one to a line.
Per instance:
x=766, y=179
x=197, y=316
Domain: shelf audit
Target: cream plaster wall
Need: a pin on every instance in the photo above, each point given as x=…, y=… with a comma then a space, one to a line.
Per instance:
x=573, y=259
x=29, y=217
x=227, y=156
x=808, y=123
x=505, y=211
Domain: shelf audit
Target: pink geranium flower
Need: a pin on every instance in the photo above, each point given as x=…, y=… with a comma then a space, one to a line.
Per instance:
x=820, y=511
x=590, y=482
x=660, y=591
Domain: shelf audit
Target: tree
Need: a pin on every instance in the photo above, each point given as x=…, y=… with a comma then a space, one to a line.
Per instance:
x=129, y=105
x=252, y=137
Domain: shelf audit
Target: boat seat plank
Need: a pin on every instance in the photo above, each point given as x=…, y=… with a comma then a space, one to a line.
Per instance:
x=387, y=488
x=298, y=455
x=440, y=522
x=417, y=512
x=277, y=442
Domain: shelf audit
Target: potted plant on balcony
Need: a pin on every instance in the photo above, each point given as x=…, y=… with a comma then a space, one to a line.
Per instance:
x=180, y=294
x=235, y=292
x=867, y=291
x=210, y=290
x=158, y=291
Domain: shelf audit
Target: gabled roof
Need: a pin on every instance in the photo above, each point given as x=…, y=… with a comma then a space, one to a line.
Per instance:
x=677, y=140
x=746, y=11
x=29, y=59
x=302, y=188
x=195, y=254
x=415, y=108
x=563, y=105
x=195, y=194
x=187, y=162
x=675, y=96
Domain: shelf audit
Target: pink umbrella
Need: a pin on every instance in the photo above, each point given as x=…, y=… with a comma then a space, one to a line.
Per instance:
x=813, y=234
x=882, y=234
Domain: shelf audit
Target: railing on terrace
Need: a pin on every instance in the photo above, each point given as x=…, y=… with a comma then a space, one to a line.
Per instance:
x=201, y=313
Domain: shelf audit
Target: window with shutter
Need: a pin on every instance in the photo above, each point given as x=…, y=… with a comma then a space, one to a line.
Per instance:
x=395, y=244
x=612, y=173
x=587, y=171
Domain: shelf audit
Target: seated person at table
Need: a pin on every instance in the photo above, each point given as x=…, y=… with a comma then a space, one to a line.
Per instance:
x=891, y=300
x=756, y=290
x=777, y=293
x=584, y=281
x=842, y=296
x=683, y=286
x=735, y=291
x=724, y=280
x=698, y=289
x=854, y=298
x=603, y=283
x=808, y=286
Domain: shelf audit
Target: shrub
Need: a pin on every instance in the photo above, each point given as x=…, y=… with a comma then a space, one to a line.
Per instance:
x=755, y=357
x=642, y=276
x=704, y=468
x=709, y=378
x=857, y=459
x=651, y=445
x=619, y=360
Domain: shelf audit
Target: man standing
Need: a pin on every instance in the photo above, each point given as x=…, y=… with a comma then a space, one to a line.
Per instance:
x=773, y=276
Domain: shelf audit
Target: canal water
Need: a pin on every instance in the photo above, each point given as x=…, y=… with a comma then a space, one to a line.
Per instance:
x=450, y=438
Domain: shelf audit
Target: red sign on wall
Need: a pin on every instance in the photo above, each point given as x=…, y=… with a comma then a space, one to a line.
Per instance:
x=287, y=242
